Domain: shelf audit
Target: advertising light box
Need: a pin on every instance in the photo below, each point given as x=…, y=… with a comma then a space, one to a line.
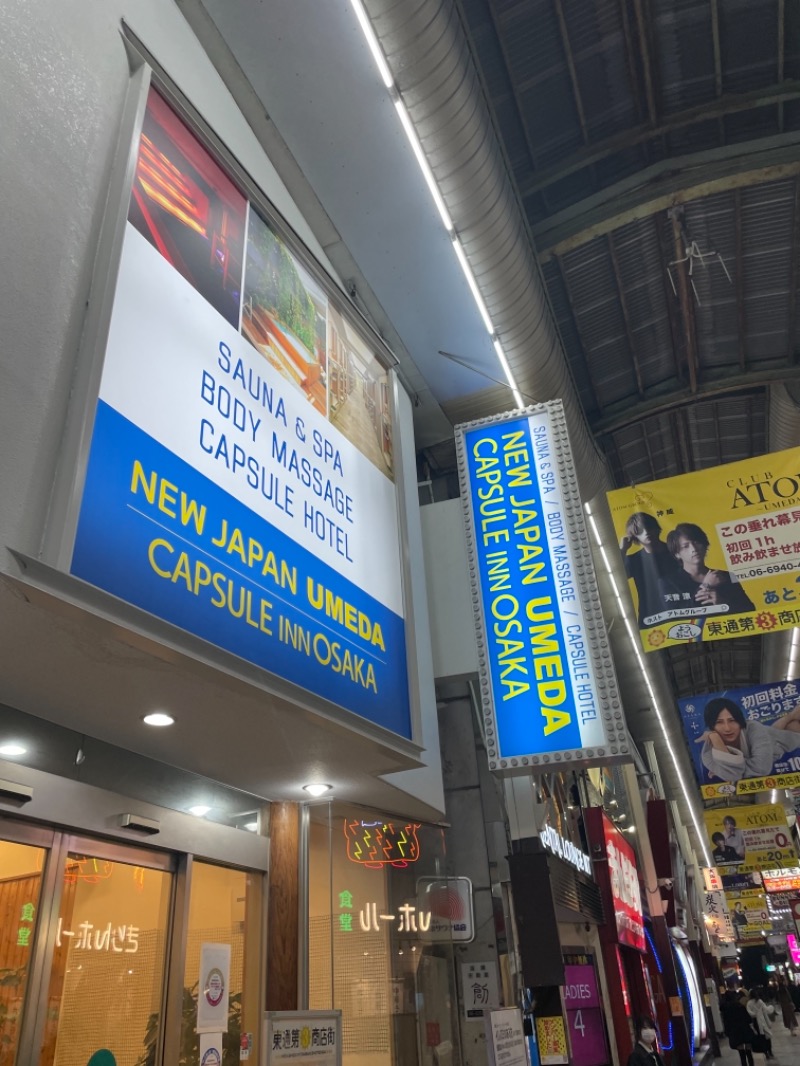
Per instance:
x=548, y=686
x=240, y=482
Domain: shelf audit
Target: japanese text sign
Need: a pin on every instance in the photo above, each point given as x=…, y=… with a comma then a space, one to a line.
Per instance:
x=547, y=680
x=744, y=740
x=304, y=1038
x=747, y=839
x=715, y=553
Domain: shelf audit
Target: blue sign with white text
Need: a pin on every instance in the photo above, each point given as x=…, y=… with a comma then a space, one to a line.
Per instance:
x=542, y=678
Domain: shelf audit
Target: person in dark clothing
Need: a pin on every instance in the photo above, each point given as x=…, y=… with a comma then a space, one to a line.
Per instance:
x=689, y=545
x=649, y=567
x=645, y=1050
x=722, y=852
x=738, y=1029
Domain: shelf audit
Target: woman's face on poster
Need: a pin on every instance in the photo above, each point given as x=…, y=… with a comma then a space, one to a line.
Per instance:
x=727, y=727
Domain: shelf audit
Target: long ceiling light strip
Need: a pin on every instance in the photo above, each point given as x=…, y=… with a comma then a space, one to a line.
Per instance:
x=430, y=180
x=634, y=636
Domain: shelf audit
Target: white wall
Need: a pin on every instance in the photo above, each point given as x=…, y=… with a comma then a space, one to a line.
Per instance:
x=455, y=649
x=64, y=78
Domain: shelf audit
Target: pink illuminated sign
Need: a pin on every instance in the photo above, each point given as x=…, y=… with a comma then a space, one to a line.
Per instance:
x=794, y=948
x=587, y=1034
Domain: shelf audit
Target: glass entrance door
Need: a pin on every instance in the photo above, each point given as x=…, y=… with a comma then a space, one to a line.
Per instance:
x=21, y=871
x=109, y=948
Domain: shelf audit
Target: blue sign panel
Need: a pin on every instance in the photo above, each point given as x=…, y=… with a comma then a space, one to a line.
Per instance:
x=155, y=532
x=539, y=640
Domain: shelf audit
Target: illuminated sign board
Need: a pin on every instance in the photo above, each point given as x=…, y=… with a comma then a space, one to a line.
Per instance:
x=548, y=686
x=380, y=842
x=565, y=849
x=617, y=875
x=781, y=880
x=746, y=839
x=241, y=475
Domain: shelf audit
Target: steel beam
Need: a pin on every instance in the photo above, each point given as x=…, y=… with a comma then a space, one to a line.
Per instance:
x=622, y=414
x=728, y=104
x=676, y=182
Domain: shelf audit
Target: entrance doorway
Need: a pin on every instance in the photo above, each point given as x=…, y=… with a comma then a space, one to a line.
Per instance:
x=100, y=948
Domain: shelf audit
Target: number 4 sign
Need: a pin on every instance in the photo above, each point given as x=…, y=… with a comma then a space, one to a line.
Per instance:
x=587, y=1034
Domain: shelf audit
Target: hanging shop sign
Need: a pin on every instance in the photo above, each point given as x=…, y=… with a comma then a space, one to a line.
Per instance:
x=713, y=554
x=781, y=880
x=480, y=989
x=448, y=901
x=746, y=839
x=553, y=842
x=750, y=915
x=717, y=916
x=313, y=1037
x=794, y=948
x=240, y=480
x=744, y=740
x=618, y=877
x=711, y=879
x=548, y=686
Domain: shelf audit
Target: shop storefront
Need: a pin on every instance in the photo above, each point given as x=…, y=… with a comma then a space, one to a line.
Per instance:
x=384, y=923
x=105, y=945
x=622, y=935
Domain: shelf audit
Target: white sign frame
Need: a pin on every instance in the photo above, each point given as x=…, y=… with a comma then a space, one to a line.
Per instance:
x=213, y=988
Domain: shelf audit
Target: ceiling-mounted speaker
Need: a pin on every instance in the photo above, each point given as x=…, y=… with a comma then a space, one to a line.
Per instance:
x=140, y=824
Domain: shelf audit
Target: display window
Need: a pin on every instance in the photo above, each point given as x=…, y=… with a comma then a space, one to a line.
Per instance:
x=383, y=921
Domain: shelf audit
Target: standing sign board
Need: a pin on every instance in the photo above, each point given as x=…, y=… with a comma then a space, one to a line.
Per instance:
x=240, y=482
x=505, y=1038
x=303, y=1038
x=548, y=687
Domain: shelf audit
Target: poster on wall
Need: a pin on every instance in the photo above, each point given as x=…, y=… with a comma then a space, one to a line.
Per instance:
x=714, y=554
x=747, y=839
x=241, y=477
x=213, y=988
x=551, y=1040
x=744, y=740
x=547, y=679
x=304, y=1038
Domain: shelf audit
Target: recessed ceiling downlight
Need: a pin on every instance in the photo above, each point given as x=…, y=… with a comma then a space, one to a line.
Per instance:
x=317, y=790
x=199, y=810
x=12, y=749
x=158, y=718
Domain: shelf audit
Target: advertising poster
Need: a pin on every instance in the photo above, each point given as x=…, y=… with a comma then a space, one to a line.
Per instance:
x=548, y=686
x=714, y=554
x=213, y=988
x=551, y=1039
x=303, y=1038
x=744, y=740
x=210, y=1049
x=749, y=914
x=747, y=839
x=240, y=482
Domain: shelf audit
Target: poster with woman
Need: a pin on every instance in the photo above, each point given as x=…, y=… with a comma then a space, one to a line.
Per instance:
x=744, y=740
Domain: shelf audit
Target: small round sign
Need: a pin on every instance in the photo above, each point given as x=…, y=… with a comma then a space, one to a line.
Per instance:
x=215, y=987
x=211, y=1058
